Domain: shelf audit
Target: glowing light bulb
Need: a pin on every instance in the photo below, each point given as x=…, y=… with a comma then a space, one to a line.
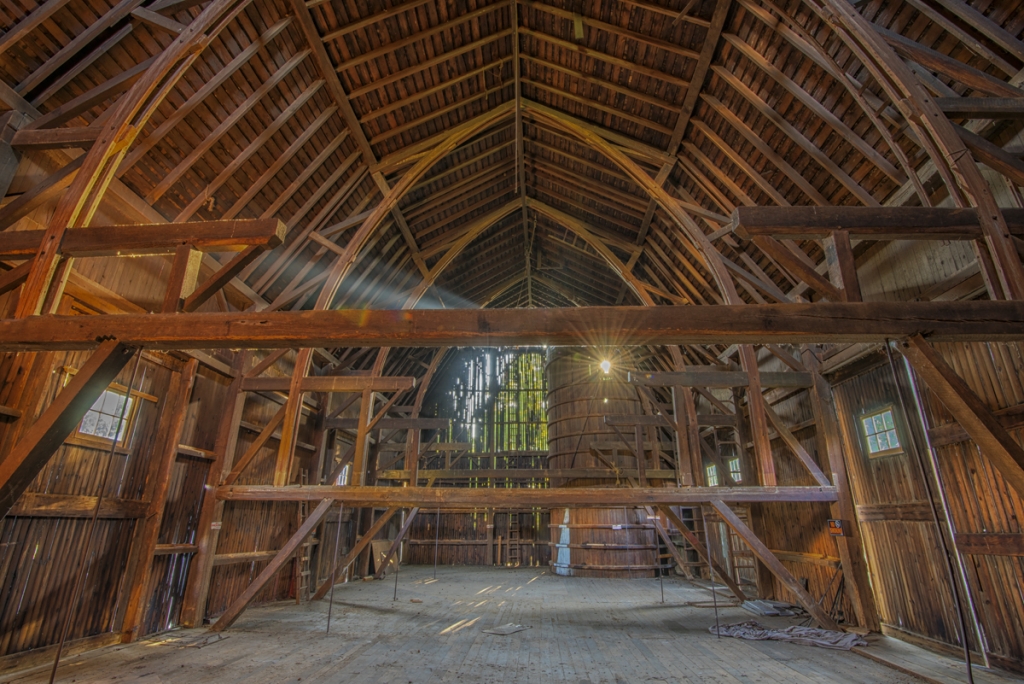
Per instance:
x=606, y=366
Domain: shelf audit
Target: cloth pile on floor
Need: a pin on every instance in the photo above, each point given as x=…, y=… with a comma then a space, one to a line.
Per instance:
x=810, y=636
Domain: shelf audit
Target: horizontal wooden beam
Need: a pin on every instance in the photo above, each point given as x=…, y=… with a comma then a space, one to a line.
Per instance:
x=332, y=383
x=982, y=107
x=454, y=446
x=159, y=238
x=55, y=138
x=523, y=474
x=244, y=557
x=471, y=498
x=40, y=505
x=390, y=423
x=719, y=379
x=990, y=544
x=868, y=223
x=605, y=326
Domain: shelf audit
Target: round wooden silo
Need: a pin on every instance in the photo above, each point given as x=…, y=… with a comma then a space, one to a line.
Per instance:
x=600, y=541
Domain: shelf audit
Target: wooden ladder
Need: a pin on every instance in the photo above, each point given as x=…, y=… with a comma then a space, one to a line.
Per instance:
x=513, y=540
x=302, y=564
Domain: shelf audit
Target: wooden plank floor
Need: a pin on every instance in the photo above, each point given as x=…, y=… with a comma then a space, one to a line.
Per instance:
x=580, y=630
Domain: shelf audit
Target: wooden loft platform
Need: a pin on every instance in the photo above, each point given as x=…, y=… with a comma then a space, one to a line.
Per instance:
x=289, y=286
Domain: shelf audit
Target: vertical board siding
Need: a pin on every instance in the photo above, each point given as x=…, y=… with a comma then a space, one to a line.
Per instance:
x=905, y=559
x=979, y=499
x=800, y=527
x=39, y=555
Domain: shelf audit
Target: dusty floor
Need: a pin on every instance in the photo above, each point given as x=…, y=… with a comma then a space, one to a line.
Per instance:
x=579, y=631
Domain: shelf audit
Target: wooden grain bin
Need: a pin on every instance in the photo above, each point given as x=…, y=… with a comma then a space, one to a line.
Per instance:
x=593, y=542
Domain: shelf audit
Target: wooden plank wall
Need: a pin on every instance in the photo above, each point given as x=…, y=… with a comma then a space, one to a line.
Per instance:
x=39, y=555
x=801, y=528
x=907, y=568
x=258, y=526
x=979, y=500
x=463, y=538
x=185, y=495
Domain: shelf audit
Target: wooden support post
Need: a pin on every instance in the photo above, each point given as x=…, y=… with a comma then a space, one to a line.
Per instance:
x=59, y=420
x=398, y=542
x=158, y=480
x=775, y=565
x=183, y=277
x=283, y=556
x=686, y=463
x=354, y=552
x=362, y=443
x=211, y=510
x=489, y=525
x=758, y=425
x=292, y=416
x=851, y=550
x=699, y=547
x=969, y=410
x=641, y=466
x=842, y=268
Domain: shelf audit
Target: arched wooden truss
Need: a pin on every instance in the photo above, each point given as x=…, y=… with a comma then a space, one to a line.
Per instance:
x=516, y=153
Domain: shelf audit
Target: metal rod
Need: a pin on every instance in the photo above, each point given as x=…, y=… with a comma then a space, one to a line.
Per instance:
x=935, y=515
x=711, y=572
x=661, y=579
x=90, y=532
x=398, y=562
x=334, y=565
x=437, y=532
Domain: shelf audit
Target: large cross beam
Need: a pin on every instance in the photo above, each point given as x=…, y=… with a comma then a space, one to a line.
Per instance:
x=611, y=326
x=478, y=498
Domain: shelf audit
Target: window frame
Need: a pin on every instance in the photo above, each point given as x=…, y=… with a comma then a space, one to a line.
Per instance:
x=865, y=437
x=711, y=473
x=130, y=417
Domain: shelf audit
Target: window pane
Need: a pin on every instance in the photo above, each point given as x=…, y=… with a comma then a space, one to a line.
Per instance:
x=887, y=416
x=102, y=425
x=89, y=423
x=869, y=426
x=98, y=404
x=883, y=443
x=110, y=400
x=894, y=441
x=872, y=444
x=879, y=424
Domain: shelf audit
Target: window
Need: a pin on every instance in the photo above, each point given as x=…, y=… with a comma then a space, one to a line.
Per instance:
x=880, y=432
x=712, y=472
x=734, y=470
x=103, y=420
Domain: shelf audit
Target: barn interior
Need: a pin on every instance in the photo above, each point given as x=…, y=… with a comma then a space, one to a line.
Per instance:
x=337, y=334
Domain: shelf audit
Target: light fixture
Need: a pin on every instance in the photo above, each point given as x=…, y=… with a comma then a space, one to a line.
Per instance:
x=606, y=366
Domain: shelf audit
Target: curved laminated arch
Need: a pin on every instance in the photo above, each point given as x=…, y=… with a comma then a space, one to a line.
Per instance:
x=707, y=252
x=131, y=113
x=952, y=159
